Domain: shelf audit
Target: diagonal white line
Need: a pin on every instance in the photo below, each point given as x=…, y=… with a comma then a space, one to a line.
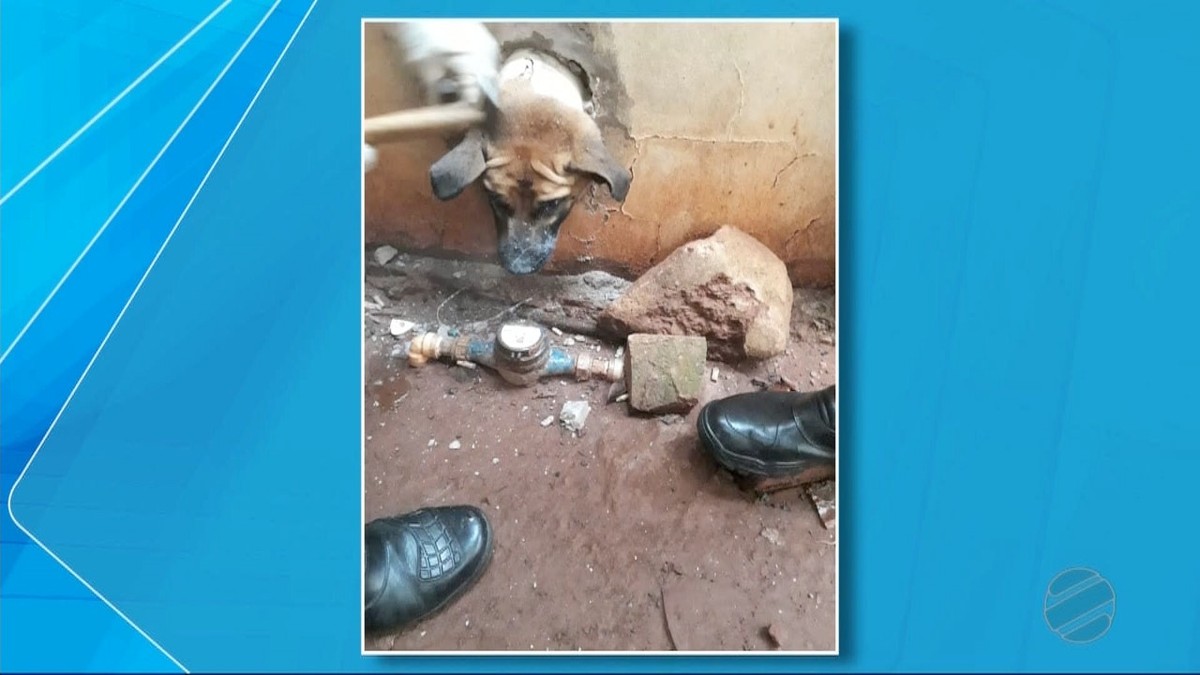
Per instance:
x=154, y=162
x=111, y=104
x=121, y=315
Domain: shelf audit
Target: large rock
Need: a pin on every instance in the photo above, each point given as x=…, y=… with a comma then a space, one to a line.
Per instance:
x=729, y=288
x=665, y=372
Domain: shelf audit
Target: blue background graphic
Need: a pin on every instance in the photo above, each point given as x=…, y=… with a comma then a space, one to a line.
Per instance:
x=1018, y=333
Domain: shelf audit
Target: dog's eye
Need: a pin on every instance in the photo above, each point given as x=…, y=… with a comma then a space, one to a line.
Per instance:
x=498, y=202
x=548, y=208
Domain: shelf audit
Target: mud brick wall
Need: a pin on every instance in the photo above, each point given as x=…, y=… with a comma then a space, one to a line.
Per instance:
x=722, y=124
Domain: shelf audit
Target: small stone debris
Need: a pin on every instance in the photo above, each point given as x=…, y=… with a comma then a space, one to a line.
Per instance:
x=622, y=398
x=569, y=342
x=574, y=415
x=400, y=327
x=496, y=460
x=432, y=442
x=620, y=352
x=772, y=535
x=384, y=254
x=458, y=275
x=615, y=390
x=776, y=635
x=455, y=444
x=466, y=364
x=827, y=339
x=715, y=375
x=556, y=331
x=548, y=421
x=582, y=339
x=822, y=495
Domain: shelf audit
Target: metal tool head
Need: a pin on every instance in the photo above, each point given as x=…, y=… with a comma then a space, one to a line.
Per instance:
x=482, y=93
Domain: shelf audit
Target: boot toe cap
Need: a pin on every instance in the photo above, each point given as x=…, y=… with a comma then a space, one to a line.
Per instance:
x=420, y=562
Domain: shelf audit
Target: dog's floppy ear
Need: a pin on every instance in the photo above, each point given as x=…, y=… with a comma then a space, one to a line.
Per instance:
x=458, y=168
x=595, y=159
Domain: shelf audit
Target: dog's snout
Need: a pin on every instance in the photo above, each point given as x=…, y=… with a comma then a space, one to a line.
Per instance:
x=526, y=247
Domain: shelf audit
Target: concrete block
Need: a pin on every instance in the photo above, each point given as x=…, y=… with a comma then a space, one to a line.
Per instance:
x=665, y=372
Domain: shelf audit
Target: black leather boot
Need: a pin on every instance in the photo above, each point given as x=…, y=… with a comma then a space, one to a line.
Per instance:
x=417, y=563
x=771, y=434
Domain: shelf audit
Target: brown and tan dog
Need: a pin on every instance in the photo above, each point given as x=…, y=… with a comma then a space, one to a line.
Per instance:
x=535, y=159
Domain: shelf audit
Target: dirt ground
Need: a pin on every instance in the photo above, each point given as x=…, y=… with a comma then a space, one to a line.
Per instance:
x=627, y=537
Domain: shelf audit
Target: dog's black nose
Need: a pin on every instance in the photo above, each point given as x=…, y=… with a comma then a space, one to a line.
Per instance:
x=526, y=255
x=522, y=263
x=525, y=247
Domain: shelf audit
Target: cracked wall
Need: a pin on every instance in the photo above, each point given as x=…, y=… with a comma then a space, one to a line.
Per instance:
x=721, y=123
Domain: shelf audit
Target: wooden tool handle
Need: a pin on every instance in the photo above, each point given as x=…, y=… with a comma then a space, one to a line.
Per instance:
x=419, y=122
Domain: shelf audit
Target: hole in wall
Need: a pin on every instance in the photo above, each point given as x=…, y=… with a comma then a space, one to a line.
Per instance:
x=574, y=47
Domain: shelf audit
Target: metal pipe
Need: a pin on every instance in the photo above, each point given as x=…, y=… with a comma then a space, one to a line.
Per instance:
x=520, y=354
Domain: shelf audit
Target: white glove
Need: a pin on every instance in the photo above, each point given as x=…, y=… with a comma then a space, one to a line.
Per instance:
x=454, y=60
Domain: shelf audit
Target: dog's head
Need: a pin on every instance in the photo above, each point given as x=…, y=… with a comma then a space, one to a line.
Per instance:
x=535, y=159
